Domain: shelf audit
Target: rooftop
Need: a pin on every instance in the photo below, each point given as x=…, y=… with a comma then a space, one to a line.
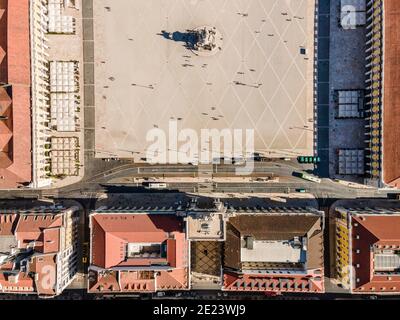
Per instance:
x=391, y=98
x=130, y=247
x=208, y=226
x=274, y=252
x=15, y=125
x=376, y=252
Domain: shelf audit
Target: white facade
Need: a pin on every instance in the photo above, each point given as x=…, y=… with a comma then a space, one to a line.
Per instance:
x=56, y=88
x=40, y=92
x=67, y=258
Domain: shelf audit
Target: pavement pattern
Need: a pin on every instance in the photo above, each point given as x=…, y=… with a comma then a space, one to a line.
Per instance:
x=262, y=78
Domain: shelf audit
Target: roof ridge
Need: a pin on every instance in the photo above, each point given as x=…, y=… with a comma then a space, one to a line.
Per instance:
x=171, y=277
x=361, y=222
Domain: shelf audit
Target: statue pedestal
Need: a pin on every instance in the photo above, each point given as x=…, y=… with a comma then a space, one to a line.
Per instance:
x=209, y=41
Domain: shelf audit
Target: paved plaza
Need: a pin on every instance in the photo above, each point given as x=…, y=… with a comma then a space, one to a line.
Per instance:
x=261, y=78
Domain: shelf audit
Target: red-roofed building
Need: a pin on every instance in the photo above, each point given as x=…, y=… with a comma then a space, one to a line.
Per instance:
x=15, y=95
x=391, y=91
x=41, y=230
x=38, y=250
x=368, y=250
x=19, y=283
x=137, y=252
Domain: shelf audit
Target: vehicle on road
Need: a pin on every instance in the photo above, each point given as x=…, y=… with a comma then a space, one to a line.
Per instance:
x=156, y=185
x=311, y=178
x=309, y=159
x=301, y=190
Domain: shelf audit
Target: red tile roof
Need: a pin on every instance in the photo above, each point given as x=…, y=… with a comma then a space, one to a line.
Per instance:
x=368, y=231
x=51, y=240
x=391, y=99
x=105, y=282
x=15, y=130
x=128, y=281
x=45, y=268
x=273, y=283
x=35, y=223
x=111, y=233
x=131, y=281
x=41, y=228
x=176, y=279
x=18, y=45
x=7, y=224
x=24, y=283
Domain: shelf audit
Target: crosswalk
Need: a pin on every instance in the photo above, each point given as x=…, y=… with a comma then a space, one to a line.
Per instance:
x=205, y=174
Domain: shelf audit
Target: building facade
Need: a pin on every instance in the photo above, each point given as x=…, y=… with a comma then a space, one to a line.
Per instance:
x=374, y=82
x=40, y=92
x=382, y=156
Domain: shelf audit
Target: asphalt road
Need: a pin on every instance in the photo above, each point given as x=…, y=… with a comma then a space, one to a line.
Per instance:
x=283, y=169
x=100, y=183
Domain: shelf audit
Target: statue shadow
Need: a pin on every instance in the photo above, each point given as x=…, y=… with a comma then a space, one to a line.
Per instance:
x=188, y=38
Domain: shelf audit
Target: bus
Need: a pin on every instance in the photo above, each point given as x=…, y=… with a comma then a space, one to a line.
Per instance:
x=309, y=177
x=157, y=185
x=309, y=159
